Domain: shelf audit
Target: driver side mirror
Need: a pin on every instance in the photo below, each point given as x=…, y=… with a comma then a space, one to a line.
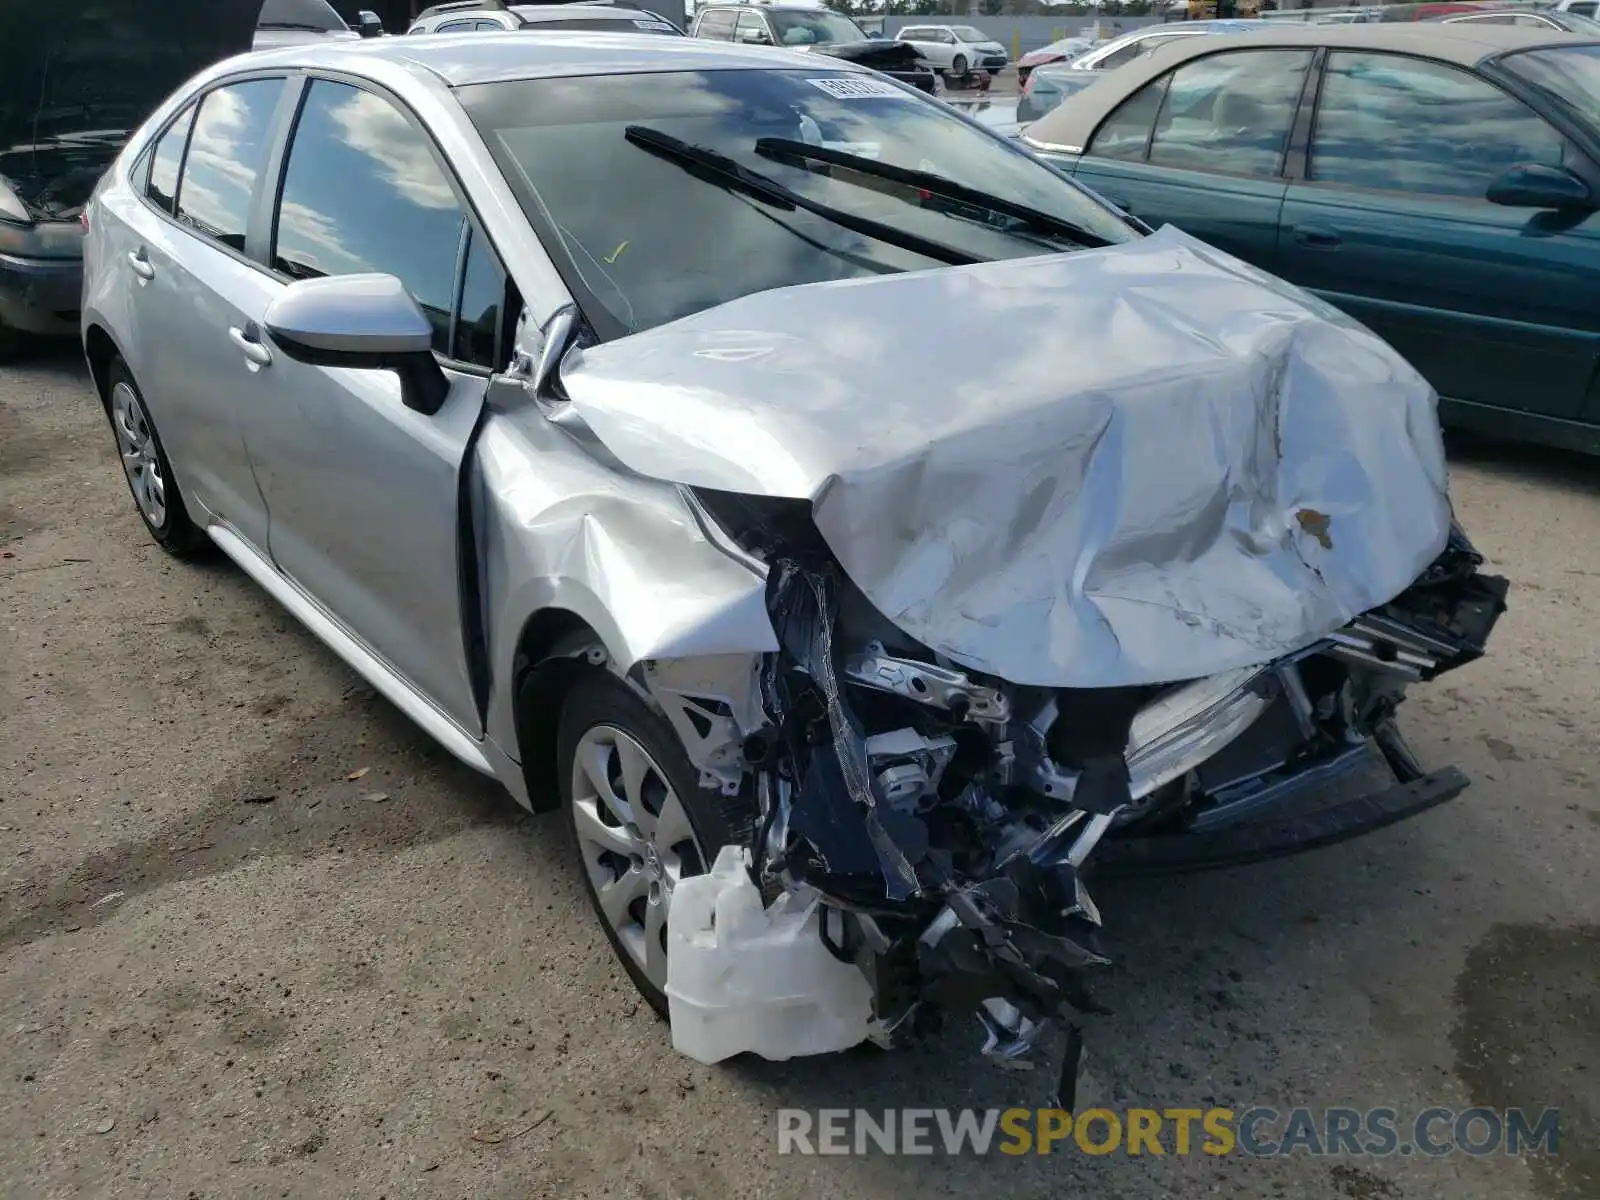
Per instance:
x=1533, y=185
x=366, y=322
x=755, y=37
x=369, y=24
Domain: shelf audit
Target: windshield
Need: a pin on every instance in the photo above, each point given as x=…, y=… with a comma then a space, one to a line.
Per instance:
x=316, y=15
x=648, y=241
x=814, y=28
x=1568, y=75
x=968, y=34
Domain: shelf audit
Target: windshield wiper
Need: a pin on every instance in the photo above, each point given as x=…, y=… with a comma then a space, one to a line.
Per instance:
x=722, y=171
x=934, y=185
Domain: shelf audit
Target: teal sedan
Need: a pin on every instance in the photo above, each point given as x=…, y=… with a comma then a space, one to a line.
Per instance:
x=1439, y=183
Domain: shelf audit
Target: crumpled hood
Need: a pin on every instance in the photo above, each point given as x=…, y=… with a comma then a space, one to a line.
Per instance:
x=78, y=75
x=1121, y=466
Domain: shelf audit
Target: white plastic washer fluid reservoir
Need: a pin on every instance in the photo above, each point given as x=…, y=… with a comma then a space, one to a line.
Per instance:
x=741, y=977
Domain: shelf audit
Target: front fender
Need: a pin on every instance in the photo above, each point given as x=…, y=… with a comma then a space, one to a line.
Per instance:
x=566, y=527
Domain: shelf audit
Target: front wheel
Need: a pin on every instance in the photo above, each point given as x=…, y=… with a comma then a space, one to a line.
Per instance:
x=144, y=462
x=637, y=819
x=958, y=65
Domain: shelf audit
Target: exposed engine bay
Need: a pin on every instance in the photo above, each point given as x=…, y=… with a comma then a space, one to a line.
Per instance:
x=949, y=823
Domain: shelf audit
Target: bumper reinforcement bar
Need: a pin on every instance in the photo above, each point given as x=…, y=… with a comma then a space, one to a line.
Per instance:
x=1237, y=845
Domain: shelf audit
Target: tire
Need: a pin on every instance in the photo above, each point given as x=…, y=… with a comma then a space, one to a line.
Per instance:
x=958, y=65
x=155, y=492
x=603, y=718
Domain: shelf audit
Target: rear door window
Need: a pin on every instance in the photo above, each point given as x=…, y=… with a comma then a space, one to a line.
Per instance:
x=167, y=162
x=1125, y=134
x=227, y=151
x=1231, y=112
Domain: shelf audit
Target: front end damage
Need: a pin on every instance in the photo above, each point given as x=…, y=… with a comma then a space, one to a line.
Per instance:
x=945, y=823
x=1143, y=609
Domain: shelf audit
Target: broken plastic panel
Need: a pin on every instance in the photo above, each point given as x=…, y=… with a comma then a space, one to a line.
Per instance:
x=742, y=977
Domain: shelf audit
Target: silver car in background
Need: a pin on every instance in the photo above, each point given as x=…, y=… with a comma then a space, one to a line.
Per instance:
x=847, y=652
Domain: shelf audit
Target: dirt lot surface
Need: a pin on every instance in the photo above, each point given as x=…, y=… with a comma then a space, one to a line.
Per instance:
x=228, y=969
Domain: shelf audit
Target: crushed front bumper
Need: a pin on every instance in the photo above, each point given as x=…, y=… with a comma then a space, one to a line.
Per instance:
x=947, y=824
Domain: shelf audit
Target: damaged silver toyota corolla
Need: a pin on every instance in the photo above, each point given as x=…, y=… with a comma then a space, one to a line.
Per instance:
x=860, y=530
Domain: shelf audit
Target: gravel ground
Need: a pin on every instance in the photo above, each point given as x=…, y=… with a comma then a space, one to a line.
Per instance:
x=227, y=969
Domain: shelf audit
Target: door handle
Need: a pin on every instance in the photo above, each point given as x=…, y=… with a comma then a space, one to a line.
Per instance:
x=140, y=262
x=248, y=342
x=1317, y=235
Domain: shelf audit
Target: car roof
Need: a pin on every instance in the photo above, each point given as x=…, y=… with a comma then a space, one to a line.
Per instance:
x=780, y=7
x=462, y=59
x=559, y=12
x=1069, y=126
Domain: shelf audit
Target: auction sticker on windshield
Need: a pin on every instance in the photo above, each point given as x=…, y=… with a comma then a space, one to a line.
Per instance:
x=858, y=89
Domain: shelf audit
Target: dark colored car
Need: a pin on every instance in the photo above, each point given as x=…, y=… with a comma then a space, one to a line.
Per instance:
x=818, y=30
x=73, y=83
x=1438, y=182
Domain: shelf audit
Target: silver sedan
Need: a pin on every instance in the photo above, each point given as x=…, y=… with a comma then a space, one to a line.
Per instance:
x=848, y=520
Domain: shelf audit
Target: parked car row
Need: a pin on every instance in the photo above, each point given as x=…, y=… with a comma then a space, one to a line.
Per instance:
x=1438, y=182
x=809, y=28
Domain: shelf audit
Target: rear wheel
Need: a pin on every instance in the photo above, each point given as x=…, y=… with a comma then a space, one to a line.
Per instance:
x=638, y=819
x=144, y=462
x=958, y=65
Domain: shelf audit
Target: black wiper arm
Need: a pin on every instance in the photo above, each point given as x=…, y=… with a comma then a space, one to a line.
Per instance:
x=934, y=185
x=722, y=171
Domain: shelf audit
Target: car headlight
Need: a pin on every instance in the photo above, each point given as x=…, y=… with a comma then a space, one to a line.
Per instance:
x=11, y=208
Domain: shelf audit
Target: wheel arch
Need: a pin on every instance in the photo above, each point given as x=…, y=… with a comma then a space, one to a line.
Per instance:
x=551, y=655
x=99, y=349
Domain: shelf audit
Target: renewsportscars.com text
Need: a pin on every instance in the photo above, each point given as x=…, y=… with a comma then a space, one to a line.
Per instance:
x=1258, y=1131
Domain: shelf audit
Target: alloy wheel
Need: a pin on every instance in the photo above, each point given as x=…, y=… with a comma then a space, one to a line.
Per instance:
x=137, y=445
x=636, y=841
